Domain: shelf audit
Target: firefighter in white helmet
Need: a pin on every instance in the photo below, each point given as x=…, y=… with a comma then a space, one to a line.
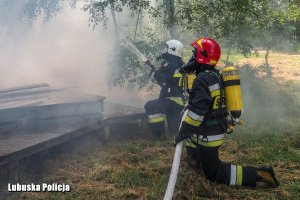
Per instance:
x=170, y=102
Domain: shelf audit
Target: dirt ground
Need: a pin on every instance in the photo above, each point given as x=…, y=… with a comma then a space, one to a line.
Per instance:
x=285, y=67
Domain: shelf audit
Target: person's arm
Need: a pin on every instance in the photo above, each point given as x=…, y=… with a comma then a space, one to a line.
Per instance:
x=160, y=75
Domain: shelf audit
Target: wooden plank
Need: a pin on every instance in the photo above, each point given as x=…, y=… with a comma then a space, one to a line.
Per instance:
x=44, y=97
x=42, y=112
x=19, y=141
x=34, y=143
x=26, y=87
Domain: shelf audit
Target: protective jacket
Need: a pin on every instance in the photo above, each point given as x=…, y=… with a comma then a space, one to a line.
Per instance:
x=170, y=103
x=169, y=78
x=204, y=123
x=204, y=120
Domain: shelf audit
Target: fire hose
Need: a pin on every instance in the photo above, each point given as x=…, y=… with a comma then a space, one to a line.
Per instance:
x=133, y=49
x=174, y=172
x=128, y=44
x=176, y=160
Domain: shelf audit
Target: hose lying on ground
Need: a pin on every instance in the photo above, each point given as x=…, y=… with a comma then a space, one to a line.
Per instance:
x=174, y=172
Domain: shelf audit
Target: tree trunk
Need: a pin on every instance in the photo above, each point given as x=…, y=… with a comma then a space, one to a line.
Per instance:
x=227, y=57
x=170, y=9
x=268, y=68
x=297, y=31
x=137, y=24
x=115, y=22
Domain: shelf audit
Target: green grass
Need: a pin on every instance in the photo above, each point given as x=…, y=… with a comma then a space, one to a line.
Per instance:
x=139, y=169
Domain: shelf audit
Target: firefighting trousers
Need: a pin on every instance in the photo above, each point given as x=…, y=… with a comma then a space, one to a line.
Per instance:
x=220, y=172
x=160, y=110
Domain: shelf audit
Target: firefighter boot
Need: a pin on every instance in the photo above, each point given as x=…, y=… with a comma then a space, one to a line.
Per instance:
x=192, y=162
x=266, y=174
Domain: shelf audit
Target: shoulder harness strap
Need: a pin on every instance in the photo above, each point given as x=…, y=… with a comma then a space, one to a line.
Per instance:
x=220, y=111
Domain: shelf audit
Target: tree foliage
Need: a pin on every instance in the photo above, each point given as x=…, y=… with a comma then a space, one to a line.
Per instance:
x=243, y=25
x=128, y=71
x=235, y=23
x=97, y=9
x=31, y=9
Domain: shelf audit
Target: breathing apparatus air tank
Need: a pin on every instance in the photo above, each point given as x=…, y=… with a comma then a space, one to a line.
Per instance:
x=188, y=82
x=232, y=85
x=190, y=78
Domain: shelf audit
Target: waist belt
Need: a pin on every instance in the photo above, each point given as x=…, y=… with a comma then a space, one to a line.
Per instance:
x=208, y=141
x=211, y=122
x=215, y=114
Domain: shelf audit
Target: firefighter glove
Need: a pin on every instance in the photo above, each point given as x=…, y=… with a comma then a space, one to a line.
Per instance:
x=178, y=138
x=188, y=67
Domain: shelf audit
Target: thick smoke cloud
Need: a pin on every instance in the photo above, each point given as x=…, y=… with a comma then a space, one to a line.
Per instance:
x=268, y=105
x=64, y=52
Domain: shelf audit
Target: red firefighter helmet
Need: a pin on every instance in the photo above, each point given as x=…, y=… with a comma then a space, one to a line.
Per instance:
x=207, y=50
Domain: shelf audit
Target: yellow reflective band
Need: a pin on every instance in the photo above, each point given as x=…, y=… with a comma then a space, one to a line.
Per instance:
x=209, y=144
x=218, y=141
x=239, y=175
x=177, y=100
x=215, y=93
x=192, y=121
x=177, y=75
x=189, y=143
x=180, y=82
x=156, y=120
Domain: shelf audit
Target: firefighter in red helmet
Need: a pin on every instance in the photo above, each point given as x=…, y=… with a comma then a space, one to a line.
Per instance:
x=204, y=123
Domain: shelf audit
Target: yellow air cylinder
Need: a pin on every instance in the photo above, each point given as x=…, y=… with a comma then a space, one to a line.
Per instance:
x=231, y=82
x=191, y=78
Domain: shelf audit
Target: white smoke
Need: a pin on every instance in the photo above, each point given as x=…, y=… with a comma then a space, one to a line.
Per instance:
x=64, y=52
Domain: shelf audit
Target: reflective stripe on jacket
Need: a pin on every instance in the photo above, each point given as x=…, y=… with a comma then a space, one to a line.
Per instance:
x=203, y=114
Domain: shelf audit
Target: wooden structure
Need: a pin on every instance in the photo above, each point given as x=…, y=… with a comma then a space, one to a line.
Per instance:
x=38, y=117
x=40, y=105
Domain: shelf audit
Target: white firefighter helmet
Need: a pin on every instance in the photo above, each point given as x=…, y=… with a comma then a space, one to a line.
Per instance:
x=174, y=47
